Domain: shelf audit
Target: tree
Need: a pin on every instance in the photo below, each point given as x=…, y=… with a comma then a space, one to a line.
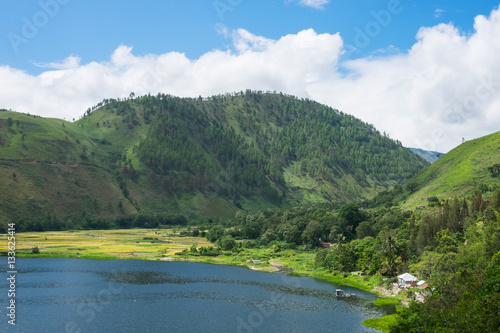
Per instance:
x=495, y=200
x=495, y=170
x=464, y=212
x=227, y=243
x=422, y=235
x=312, y=233
x=445, y=242
x=389, y=244
x=412, y=231
x=390, y=264
x=252, y=230
x=364, y=229
x=215, y=233
x=349, y=217
x=478, y=203
x=291, y=233
x=454, y=220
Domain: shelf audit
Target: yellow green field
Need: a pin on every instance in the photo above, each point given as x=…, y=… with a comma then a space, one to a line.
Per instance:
x=125, y=243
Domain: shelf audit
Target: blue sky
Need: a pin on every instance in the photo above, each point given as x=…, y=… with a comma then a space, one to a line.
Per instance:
x=96, y=49
x=93, y=29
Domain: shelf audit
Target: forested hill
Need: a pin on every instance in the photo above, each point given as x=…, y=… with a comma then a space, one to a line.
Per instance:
x=268, y=147
x=200, y=157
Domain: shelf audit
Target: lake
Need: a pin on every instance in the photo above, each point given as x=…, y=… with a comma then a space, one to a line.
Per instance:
x=79, y=295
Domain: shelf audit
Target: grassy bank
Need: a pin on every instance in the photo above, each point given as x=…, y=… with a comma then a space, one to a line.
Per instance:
x=382, y=324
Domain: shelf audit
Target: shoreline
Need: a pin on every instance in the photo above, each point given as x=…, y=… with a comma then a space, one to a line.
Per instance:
x=268, y=268
x=376, y=323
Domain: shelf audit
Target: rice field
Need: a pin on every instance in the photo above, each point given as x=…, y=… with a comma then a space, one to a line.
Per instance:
x=123, y=243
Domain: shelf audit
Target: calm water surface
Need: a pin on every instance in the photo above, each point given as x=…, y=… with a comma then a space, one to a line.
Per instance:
x=68, y=295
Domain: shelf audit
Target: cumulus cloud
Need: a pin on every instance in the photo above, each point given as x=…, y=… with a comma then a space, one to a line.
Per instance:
x=445, y=88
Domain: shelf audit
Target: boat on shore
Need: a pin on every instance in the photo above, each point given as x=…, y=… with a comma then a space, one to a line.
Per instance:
x=341, y=293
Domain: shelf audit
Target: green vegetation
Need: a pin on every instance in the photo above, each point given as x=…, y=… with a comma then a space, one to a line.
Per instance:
x=265, y=181
x=453, y=246
x=383, y=324
x=204, y=159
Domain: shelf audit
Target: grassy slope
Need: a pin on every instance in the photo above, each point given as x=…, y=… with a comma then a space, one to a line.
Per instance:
x=121, y=137
x=58, y=170
x=459, y=172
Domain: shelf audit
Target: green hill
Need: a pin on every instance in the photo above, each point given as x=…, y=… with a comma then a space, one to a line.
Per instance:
x=196, y=158
x=471, y=166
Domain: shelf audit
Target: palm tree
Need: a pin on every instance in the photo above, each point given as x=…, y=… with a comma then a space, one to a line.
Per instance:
x=389, y=244
x=390, y=263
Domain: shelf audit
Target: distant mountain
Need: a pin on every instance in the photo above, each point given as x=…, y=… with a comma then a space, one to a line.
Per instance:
x=430, y=156
x=191, y=158
x=472, y=166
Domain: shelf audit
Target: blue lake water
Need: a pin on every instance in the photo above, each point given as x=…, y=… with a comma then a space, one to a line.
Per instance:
x=69, y=295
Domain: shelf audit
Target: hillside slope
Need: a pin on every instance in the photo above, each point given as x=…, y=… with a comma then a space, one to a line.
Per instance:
x=471, y=166
x=197, y=158
x=51, y=173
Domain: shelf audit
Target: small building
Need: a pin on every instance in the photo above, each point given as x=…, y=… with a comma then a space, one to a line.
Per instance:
x=407, y=279
x=324, y=244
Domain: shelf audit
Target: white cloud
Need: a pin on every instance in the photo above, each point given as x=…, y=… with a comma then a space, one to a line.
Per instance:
x=68, y=63
x=316, y=4
x=445, y=88
x=438, y=13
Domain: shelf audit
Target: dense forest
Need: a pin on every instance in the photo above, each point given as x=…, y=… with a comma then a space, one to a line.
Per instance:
x=243, y=143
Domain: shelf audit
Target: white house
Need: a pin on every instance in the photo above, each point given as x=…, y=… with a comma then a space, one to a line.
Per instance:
x=407, y=279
